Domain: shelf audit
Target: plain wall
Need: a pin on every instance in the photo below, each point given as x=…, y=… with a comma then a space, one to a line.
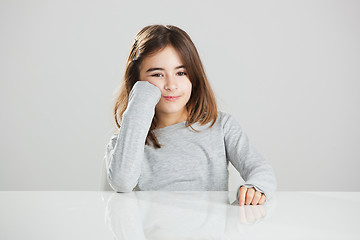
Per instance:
x=288, y=70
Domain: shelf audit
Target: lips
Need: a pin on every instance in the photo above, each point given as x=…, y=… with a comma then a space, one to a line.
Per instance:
x=171, y=98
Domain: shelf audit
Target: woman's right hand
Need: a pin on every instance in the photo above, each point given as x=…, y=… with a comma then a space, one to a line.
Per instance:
x=145, y=92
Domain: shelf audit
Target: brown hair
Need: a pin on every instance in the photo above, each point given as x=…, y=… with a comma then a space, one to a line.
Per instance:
x=201, y=105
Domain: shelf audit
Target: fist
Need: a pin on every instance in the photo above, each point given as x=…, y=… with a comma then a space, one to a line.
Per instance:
x=250, y=196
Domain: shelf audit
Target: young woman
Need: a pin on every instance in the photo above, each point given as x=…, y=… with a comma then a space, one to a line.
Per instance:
x=170, y=135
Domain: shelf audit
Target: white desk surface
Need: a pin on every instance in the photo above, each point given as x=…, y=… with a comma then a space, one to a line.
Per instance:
x=176, y=215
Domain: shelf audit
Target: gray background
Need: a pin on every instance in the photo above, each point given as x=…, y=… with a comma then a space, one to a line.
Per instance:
x=288, y=70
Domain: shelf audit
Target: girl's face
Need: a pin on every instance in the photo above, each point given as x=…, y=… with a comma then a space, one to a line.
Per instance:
x=165, y=70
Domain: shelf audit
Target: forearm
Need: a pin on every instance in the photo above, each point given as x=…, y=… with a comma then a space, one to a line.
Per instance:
x=126, y=150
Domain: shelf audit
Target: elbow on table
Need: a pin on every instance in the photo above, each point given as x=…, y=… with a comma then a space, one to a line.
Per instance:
x=121, y=186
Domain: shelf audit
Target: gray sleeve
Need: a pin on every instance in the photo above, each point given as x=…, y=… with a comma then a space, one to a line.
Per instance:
x=253, y=168
x=125, y=151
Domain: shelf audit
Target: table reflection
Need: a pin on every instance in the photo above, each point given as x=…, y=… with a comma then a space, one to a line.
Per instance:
x=180, y=215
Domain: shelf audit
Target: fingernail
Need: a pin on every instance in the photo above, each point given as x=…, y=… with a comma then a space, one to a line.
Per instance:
x=241, y=204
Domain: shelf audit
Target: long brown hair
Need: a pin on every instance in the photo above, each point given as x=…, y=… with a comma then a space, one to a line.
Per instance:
x=201, y=106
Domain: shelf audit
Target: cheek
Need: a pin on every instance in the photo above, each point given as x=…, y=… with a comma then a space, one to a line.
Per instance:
x=154, y=82
x=158, y=84
x=188, y=88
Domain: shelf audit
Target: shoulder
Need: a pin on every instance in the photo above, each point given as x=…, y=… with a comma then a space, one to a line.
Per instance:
x=228, y=121
x=113, y=138
x=225, y=117
x=223, y=114
x=220, y=119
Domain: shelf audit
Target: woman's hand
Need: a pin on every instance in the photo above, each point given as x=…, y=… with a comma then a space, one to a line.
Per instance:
x=250, y=195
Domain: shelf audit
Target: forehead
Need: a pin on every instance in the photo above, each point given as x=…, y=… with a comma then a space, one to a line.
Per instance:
x=165, y=58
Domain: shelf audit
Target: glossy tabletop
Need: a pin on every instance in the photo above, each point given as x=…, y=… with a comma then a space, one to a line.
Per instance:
x=177, y=215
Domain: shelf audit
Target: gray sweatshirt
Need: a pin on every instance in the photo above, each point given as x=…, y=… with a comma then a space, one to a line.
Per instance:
x=188, y=160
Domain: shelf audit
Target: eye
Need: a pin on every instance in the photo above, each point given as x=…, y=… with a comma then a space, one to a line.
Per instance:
x=182, y=73
x=156, y=75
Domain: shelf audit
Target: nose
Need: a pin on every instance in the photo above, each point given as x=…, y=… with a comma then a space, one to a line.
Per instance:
x=171, y=83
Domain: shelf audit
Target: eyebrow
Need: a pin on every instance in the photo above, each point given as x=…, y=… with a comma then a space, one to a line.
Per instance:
x=154, y=69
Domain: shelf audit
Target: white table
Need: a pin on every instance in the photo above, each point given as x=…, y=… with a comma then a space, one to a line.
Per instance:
x=176, y=215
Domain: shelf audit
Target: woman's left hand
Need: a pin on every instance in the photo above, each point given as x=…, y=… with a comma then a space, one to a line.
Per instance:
x=250, y=196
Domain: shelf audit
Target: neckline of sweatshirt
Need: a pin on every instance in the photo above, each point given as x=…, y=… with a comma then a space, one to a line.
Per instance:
x=170, y=127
